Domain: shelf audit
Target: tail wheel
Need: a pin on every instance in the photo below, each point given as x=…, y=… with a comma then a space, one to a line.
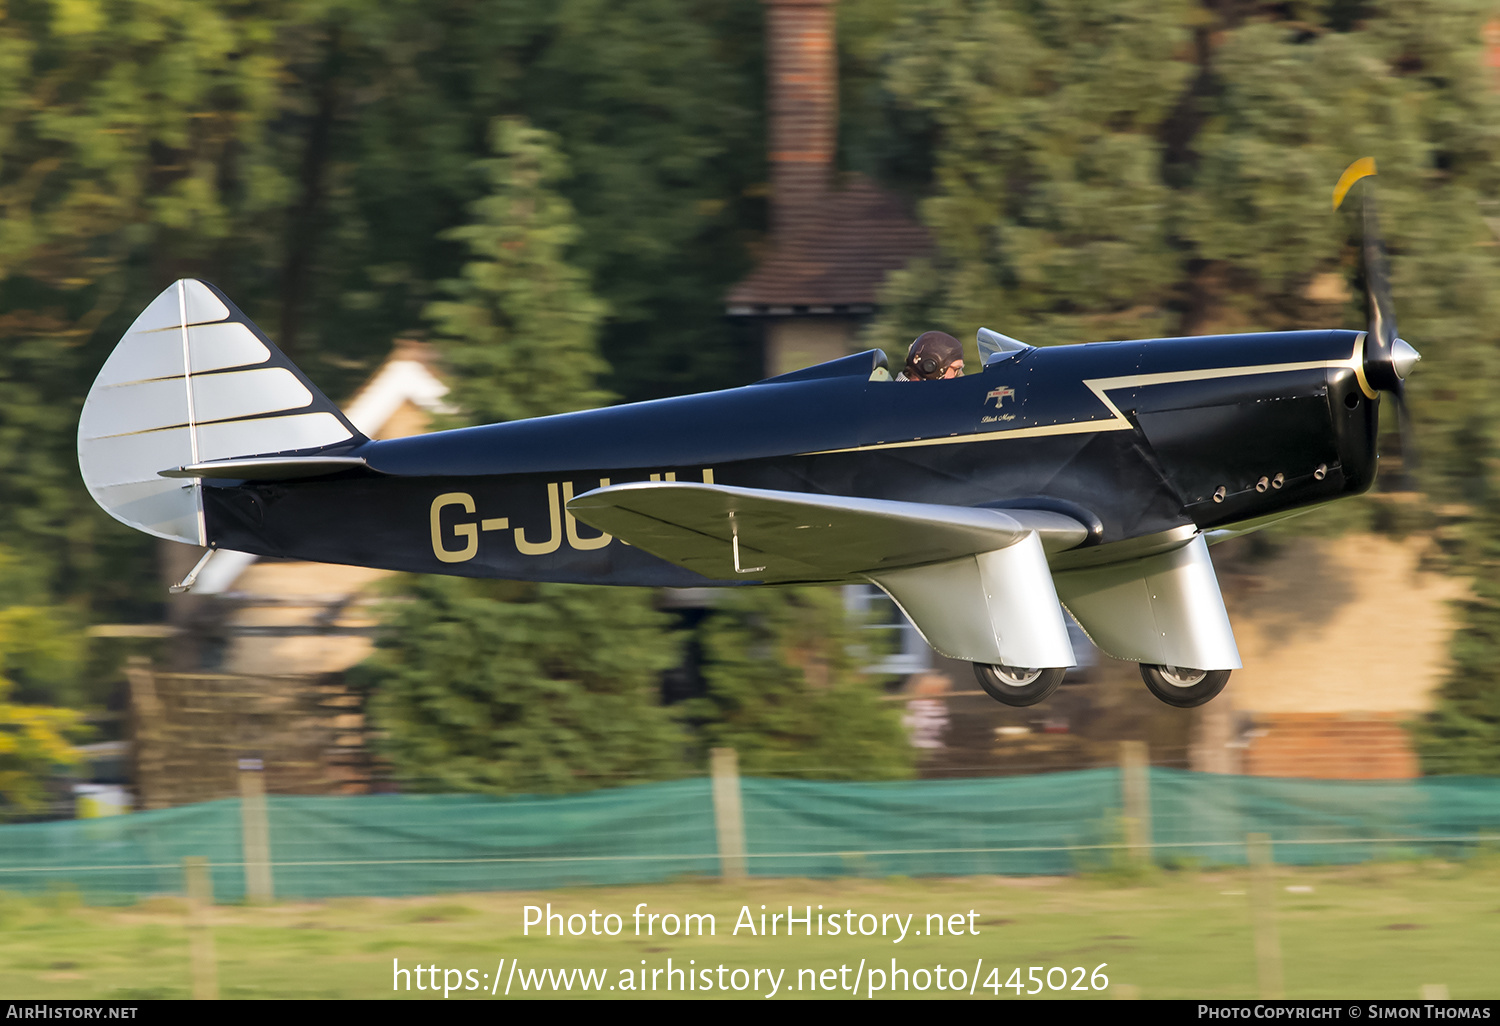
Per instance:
x=1010, y=685
x=1183, y=687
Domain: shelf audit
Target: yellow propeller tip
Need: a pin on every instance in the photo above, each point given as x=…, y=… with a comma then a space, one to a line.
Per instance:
x=1361, y=168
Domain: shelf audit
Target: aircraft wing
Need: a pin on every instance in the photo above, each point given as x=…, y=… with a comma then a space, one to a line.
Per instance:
x=756, y=534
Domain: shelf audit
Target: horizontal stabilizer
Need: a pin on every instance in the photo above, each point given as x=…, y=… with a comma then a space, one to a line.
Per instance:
x=724, y=533
x=268, y=468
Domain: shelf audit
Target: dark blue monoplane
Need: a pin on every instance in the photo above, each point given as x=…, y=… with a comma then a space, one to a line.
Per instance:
x=1087, y=476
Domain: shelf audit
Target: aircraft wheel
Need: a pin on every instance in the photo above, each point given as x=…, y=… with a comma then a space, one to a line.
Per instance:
x=1183, y=687
x=1010, y=685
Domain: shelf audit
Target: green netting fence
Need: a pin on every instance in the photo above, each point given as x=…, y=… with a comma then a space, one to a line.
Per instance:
x=1060, y=823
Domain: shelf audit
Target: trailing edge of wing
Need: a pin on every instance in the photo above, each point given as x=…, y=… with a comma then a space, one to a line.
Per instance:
x=726, y=533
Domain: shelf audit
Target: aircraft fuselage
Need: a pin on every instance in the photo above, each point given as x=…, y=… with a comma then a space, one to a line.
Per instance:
x=1135, y=439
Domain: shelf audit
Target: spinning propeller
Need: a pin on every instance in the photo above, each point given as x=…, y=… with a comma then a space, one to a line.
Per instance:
x=1388, y=357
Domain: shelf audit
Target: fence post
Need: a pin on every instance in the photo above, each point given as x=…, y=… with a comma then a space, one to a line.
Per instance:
x=1263, y=912
x=1135, y=783
x=255, y=832
x=200, y=895
x=149, y=723
x=729, y=816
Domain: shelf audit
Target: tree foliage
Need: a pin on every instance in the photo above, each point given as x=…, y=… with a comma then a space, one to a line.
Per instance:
x=1462, y=734
x=308, y=156
x=544, y=688
x=136, y=143
x=518, y=327
x=652, y=104
x=590, y=175
x=552, y=690
x=39, y=654
x=1048, y=206
x=787, y=692
x=1117, y=170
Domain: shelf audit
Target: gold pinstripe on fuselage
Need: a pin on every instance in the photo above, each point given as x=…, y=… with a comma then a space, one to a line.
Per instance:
x=1117, y=421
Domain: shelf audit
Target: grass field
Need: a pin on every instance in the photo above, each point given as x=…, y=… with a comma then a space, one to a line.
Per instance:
x=1379, y=930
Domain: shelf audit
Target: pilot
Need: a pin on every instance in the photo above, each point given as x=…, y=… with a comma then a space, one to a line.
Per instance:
x=935, y=355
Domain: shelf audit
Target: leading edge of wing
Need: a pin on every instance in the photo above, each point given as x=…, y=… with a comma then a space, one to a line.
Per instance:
x=754, y=534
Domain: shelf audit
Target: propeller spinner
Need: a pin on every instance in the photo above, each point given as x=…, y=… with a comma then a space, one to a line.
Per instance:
x=1388, y=357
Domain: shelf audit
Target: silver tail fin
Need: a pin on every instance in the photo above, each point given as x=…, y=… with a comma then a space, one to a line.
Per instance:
x=193, y=381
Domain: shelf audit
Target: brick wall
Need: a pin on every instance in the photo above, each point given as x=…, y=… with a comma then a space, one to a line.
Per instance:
x=1331, y=746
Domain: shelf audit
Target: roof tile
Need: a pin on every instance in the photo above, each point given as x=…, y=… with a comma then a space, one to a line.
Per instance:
x=839, y=255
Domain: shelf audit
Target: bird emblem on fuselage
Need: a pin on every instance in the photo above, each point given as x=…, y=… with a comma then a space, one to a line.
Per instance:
x=1000, y=395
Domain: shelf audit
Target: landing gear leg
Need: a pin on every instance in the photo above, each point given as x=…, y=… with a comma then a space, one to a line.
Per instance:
x=1010, y=685
x=1183, y=687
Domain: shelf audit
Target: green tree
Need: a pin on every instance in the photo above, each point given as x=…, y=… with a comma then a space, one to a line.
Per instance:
x=1462, y=734
x=1407, y=83
x=518, y=329
x=135, y=144
x=534, y=688
x=787, y=692
x=654, y=104
x=1048, y=207
x=665, y=134
x=1105, y=170
x=40, y=654
x=1288, y=109
x=1112, y=170
x=308, y=157
x=504, y=688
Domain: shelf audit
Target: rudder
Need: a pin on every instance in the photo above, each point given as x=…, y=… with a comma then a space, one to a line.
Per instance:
x=193, y=380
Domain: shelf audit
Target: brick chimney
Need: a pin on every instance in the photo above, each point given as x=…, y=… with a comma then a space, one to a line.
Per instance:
x=803, y=105
x=832, y=243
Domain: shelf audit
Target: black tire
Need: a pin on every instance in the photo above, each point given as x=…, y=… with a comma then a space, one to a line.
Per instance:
x=1009, y=685
x=1183, y=687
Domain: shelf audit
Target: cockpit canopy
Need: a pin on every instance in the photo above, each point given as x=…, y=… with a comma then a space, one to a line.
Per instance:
x=872, y=364
x=994, y=347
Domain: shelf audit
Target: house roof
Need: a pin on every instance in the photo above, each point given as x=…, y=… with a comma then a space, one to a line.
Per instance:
x=837, y=258
x=410, y=374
